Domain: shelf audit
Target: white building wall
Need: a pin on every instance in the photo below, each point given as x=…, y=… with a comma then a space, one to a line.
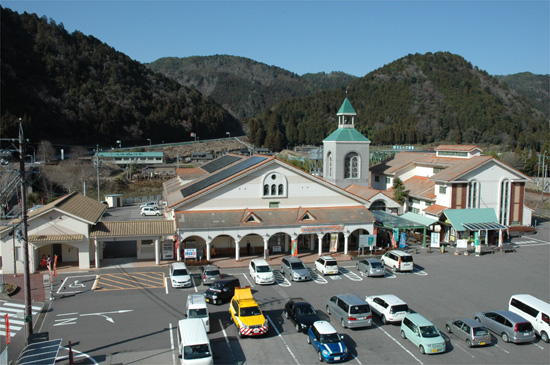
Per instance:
x=443, y=199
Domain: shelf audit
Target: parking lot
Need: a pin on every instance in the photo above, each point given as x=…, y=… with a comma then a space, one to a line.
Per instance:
x=138, y=324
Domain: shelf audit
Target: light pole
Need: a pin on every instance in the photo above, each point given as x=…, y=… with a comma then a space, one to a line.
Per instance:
x=149, y=139
x=228, y=134
x=119, y=143
x=97, y=170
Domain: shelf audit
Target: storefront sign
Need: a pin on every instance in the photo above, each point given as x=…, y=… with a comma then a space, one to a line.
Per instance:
x=367, y=240
x=294, y=251
x=319, y=229
x=190, y=253
x=334, y=242
x=434, y=242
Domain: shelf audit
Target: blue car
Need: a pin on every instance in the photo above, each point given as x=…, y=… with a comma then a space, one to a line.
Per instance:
x=327, y=342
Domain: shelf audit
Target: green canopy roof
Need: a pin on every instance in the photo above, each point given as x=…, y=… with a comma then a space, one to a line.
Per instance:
x=346, y=108
x=346, y=134
x=473, y=219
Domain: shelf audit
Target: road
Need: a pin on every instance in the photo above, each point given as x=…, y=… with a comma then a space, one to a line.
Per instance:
x=131, y=315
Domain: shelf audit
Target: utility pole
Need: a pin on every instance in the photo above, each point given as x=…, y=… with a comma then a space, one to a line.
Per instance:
x=24, y=238
x=97, y=170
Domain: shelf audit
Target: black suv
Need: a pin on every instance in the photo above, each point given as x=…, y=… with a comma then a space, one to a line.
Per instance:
x=301, y=313
x=221, y=290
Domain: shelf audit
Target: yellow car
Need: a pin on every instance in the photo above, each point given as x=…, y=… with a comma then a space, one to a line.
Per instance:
x=246, y=314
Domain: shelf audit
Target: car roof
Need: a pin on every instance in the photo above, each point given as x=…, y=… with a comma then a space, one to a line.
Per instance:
x=389, y=298
x=210, y=267
x=511, y=316
x=327, y=258
x=531, y=300
x=418, y=319
x=470, y=322
x=399, y=252
x=323, y=327
x=293, y=259
x=371, y=260
x=179, y=265
x=196, y=301
x=226, y=280
x=261, y=262
x=299, y=300
x=351, y=299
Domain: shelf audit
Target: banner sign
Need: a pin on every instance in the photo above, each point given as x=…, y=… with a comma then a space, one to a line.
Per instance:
x=403, y=240
x=434, y=239
x=333, y=242
x=294, y=251
x=8, y=335
x=318, y=229
x=367, y=240
x=190, y=253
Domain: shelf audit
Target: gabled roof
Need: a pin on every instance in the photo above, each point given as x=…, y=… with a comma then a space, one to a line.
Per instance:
x=420, y=187
x=368, y=193
x=74, y=204
x=272, y=217
x=133, y=228
x=435, y=209
x=453, y=147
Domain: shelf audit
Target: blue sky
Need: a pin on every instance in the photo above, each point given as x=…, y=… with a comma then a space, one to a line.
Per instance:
x=356, y=37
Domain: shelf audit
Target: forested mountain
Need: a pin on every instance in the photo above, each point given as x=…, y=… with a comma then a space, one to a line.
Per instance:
x=535, y=88
x=418, y=99
x=243, y=86
x=74, y=89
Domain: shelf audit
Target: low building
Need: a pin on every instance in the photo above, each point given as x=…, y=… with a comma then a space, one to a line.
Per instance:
x=130, y=158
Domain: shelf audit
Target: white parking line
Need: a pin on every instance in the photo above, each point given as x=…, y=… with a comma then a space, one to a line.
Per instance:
x=349, y=274
x=227, y=341
x=316, y=277
x=282, y=339
x=400, y=345
x=501, y=348
x=249, y=282
x=172, y=343
x=80, y=354
x=280, y=279
x=460, y=347
x=166, y=284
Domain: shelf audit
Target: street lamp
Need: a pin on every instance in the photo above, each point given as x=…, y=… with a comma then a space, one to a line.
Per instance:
x=119, y=143
x=149, y=139
x=228, y=134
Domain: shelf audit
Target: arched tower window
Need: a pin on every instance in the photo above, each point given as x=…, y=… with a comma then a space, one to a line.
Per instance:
x=504, y=202
x=351, y=166
x=329, y=156
x=275, y=185
x=473, y=194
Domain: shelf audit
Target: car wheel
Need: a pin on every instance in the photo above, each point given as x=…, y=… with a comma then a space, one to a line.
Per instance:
x=298, y=327
x=477, y=319
x=240, y=334
x=320, y=356
x=394, y=269
x=343, y=323
x=157, y=214
x=505, y=337
x=448, y=328
x=468, y=343
x=421, y=348
x=230, y=318
x=328, y=309
x=143, y=214
x=544, y=337
x=285, y=313
x=384, y=321
x=403, y=334
x=308, y=340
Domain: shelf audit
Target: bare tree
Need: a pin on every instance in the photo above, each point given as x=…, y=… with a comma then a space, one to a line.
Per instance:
x=45, y=151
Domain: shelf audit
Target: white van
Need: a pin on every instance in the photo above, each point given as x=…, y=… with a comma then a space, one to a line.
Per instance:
x=193, y=344
x=197, y=308
x=261, y=272
x=534, y=310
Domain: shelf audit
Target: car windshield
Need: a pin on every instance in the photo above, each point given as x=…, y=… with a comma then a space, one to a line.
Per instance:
x=179, y=272
x=196, y=352
x=263, y=269
x=198, y=313
x=306, y=310
x=428, y=331
x=329, y=338
x=480, y=331
x=250, y=311
x=376, y=264
x=356, y=309
x=297, y=266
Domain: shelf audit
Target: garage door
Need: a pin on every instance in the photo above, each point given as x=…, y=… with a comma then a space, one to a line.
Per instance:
x=118, y=249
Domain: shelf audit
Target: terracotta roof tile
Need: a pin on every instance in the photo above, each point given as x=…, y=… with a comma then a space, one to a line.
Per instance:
x=453, y=147
x=435, y=209
x=133, y=228
x=421, y=187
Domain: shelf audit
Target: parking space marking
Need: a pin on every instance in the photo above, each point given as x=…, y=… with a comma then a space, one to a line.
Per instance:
x=460, y=347
x=282, y=339
x=419, y=272
x=280, y=279
x=172, y=344
x=123, y=281
x=496, y=345
x=400, y=345
x=249, y=282
x=349, y=274
x=227, y=341
x=388, y=274
x=77, y=284
x=315, y=276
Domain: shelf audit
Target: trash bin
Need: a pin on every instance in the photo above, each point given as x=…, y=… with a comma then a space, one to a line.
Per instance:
x=442, y=249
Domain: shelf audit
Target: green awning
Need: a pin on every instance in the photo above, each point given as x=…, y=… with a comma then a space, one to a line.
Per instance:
x=426, y=221
x=389, y=220
x=473, y=219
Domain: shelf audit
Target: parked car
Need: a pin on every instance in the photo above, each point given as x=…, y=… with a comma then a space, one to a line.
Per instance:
x=153, y=205
x=397, y=260
x=422, y=333
x=371, y=267
x=351, y=310
x=179, y=275
x=301, y=314
x=326, y=265
x=245, y=312
x=535, y=311
x=295, y=269
x=388, y=307
x=327, y=342
x=209, y=274
x=261, y=272
x=196, y=308
x=221, y=290
x=469, y=330
x=510, y=326
x=149, y=211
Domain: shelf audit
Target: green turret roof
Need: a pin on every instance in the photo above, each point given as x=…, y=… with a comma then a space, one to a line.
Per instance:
x=346, y=134
x=346, y=108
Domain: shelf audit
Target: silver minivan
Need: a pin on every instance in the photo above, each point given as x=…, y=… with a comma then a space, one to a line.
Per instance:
x=295, y=269
x=510, y=326
x=352, y=311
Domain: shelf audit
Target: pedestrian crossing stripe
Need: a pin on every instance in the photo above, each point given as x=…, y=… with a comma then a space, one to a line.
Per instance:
x=15, y=312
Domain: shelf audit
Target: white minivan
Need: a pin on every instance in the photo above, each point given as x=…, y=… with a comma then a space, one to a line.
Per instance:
x=534, y=310
x=193, y=343
x=197, y=308
x=261, y=272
